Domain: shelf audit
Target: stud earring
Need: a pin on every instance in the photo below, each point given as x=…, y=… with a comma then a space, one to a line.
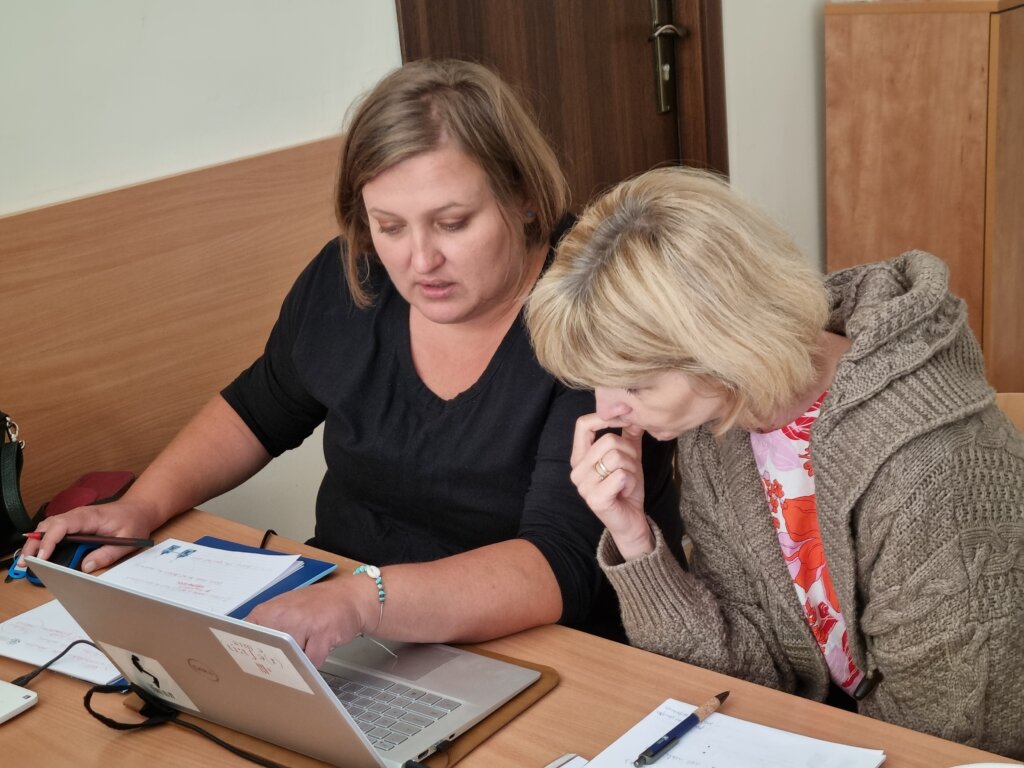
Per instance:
x=531, y=214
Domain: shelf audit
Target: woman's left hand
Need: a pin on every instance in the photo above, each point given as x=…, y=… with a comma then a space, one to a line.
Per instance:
x=319, y=616
x=608, y=473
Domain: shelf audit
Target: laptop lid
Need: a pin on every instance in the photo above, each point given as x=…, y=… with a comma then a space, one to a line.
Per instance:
x=257, y=680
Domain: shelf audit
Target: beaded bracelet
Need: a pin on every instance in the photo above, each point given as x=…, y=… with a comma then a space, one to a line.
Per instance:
x=374, y=573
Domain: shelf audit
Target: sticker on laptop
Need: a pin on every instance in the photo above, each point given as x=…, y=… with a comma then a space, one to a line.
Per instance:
x=150, y=675
x=261, y=660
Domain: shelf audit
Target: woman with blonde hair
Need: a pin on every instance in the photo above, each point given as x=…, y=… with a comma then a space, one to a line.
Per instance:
x=854, y=497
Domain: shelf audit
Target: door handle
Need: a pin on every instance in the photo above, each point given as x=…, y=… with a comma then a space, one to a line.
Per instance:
x=668, y=29
x=664, y=34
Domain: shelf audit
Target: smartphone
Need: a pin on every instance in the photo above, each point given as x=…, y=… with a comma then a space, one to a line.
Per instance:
x=14, y=700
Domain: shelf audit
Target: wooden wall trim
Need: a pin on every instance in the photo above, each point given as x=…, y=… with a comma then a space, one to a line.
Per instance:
x=899, y=6
x=125, y=311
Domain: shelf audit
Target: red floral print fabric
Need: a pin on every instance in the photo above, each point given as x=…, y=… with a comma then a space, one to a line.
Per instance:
x=783, y=460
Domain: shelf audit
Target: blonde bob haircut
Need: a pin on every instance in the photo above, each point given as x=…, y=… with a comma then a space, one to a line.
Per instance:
x=673, y=271
x=416, y=109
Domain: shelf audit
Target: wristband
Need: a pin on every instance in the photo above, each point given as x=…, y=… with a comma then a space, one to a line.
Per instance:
x=374, y=573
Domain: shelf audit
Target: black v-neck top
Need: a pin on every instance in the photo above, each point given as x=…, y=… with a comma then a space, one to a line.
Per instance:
x=412, y=477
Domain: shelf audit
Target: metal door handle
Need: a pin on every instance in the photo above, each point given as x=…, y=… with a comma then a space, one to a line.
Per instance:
x=663, y=35
x=668, y=29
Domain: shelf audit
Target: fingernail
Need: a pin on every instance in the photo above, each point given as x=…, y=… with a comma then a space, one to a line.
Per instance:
x=88, y=566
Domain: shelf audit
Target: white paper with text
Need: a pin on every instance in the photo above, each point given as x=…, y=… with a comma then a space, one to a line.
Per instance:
x=214, y=580
x=727, y=742
x=207, y=578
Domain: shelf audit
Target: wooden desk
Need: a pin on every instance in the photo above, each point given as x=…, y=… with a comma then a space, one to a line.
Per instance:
x=605, y=688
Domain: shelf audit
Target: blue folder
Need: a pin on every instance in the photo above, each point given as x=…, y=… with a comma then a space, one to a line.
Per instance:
x=311, y=570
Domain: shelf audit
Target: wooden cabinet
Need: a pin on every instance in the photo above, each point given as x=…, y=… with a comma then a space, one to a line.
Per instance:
x=924, y=126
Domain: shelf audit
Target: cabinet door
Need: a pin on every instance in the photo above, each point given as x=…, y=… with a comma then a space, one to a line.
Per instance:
x=906, y=99
x=1003, y=337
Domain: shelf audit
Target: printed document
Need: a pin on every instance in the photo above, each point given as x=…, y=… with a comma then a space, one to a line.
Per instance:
x=727, y=742
x=215, y=580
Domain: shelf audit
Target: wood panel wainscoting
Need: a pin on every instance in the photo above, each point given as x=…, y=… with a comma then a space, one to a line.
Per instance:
x=924, y=120
x=125, y=311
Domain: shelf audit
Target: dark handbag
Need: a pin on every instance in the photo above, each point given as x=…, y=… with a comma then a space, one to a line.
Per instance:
x=14, y=518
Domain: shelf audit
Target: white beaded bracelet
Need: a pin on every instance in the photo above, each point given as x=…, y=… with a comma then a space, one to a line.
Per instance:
x=374, y=573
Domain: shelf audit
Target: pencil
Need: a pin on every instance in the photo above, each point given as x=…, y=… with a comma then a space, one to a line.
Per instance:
x=100, y=541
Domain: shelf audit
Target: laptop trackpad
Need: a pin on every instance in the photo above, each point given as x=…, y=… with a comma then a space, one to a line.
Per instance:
x=413, y=660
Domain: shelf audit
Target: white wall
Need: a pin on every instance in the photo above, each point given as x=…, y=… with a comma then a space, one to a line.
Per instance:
x=97, y=95
x=112, y=92
x=775, y=96
x=101, y=94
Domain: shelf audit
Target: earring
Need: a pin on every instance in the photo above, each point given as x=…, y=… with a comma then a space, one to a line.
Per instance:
x=531, y=214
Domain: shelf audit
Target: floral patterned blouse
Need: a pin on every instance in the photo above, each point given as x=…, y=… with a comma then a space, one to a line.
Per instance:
x=783, y=459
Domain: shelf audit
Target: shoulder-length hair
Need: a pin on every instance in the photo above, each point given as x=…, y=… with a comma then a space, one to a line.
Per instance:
x=415, y=109
x=673, y=271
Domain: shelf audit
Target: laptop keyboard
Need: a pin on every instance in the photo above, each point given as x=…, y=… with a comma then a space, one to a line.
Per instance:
x=387, y=712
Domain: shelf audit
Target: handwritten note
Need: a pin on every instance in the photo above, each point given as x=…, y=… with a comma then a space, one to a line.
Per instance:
x=38, y=635
x=727, y=742
x=261, y=660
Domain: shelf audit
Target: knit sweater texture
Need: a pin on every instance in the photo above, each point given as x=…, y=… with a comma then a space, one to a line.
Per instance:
x=920, y=494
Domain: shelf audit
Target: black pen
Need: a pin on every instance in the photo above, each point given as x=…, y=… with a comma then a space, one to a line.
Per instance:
x=88, y=538
x=665, y=743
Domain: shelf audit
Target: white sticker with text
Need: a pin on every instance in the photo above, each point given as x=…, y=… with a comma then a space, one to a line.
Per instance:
x=261, y=660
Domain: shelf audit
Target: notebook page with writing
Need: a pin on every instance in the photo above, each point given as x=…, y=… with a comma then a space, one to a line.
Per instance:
x=727, y=742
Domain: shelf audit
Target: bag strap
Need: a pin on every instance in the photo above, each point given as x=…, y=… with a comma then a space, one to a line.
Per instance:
x=11, y=460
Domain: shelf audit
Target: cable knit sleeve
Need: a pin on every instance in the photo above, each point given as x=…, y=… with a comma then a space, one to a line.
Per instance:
x=689, y=616
x=735, y=611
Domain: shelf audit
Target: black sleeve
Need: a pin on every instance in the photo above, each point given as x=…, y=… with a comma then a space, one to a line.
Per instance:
x=269, y=395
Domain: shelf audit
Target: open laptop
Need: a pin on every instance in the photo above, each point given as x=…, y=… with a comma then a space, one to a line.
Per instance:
x=364, y=708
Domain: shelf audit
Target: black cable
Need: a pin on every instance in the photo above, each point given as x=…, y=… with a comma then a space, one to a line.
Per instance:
x=157, y=712
x=25, y=679
x=266, y=537
x=154, y=710
x=251, y=757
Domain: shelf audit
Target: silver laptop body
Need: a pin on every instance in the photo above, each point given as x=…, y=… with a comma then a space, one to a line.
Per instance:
x=257, y=680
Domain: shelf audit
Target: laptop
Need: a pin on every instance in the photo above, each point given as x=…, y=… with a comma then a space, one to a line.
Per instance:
x=364, y=708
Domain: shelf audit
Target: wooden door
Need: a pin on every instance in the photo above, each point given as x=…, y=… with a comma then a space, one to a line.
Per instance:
x=588, y=68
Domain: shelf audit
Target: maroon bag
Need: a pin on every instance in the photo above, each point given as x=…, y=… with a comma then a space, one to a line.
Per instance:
x=93, y=488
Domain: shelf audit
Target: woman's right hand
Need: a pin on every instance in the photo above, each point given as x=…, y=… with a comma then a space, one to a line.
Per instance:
x=124, y=518
x=617, y=497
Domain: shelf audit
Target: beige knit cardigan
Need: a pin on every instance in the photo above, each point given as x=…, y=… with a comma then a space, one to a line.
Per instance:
x=920, y=489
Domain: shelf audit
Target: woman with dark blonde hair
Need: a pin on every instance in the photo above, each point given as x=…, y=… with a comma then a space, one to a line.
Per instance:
x=854, y=497
x=447, y=445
